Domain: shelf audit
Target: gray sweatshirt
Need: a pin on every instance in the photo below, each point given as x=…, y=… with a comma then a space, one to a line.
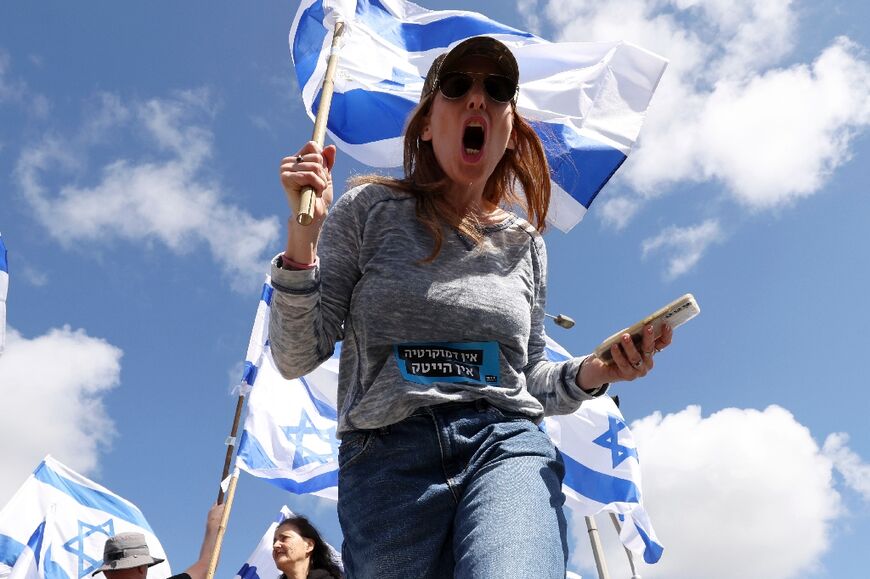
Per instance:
x=467, y=326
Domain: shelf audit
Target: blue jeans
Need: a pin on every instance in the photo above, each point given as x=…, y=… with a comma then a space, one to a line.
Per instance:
x=455, y=490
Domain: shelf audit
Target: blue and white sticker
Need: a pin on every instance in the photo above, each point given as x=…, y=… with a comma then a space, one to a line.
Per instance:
x=465, y=362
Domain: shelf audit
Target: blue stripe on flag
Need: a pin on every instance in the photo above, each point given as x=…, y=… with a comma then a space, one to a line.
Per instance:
x=322, y=407
x=266, y=296
x=435, y=34
x=51, y=569
x=4, y=264
x=581, y=166
x=653, y=551
x=253, y=454
x=90, y=497
x=256, y=458
x=310, y=35
x=312, y=485
x=250, y=373
x=10, y=550
x=35, y=541
x=346, y=110
x=597, y=486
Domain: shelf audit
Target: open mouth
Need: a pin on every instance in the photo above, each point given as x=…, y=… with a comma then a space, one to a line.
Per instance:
x=473, y=138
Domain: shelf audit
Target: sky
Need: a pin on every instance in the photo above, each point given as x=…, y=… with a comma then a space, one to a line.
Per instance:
x=140, y=204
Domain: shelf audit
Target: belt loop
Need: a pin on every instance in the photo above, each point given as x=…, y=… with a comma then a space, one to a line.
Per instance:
x=481, y=405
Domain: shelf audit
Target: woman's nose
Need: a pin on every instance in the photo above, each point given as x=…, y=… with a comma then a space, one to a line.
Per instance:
x=476, y=98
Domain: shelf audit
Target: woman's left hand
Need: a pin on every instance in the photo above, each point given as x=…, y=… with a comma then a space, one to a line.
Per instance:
x=629, y=362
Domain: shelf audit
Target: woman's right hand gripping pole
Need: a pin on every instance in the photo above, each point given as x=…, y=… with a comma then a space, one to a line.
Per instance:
x=312, y=165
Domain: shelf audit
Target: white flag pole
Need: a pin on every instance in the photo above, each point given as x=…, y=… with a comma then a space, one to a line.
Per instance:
x=597, y=549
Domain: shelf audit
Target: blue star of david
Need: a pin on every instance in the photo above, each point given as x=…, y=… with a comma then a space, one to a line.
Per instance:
x=610, y=440
x=76, y=545
x=304, y=454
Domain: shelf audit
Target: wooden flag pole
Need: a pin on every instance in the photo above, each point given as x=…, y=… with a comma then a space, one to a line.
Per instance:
x=216, y=554
x=628, y=553
x=597, y=549
x=306, y=202
x=231, y=442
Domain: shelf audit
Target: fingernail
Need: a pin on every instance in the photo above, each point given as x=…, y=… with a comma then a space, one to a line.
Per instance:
x=649, y=329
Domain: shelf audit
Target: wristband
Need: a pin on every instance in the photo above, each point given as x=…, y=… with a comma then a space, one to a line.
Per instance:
x=287, y=263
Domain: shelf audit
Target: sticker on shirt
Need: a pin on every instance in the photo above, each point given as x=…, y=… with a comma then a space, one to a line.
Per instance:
x=466, y=362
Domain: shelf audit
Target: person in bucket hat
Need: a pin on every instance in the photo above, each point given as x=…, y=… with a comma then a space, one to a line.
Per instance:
x=126, y=555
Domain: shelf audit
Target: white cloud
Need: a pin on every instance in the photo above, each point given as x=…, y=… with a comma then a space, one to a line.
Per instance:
x=15, y=90
x=684, y=245
x=727, y=109
x=10, y=89
x=742, y=493
x=51, y=390
x=618, y=211
x=169, y=198
x=855, y=472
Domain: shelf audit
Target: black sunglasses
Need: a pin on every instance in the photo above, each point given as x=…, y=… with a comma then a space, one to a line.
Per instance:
x=454, y=85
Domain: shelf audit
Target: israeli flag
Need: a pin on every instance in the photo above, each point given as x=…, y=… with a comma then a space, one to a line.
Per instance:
x=76, y=516
x=289, y=440
x=4, y=289
x=602, y=468
x=586, y=100
x=36, y=560
x=289, y=433
x=260, y=564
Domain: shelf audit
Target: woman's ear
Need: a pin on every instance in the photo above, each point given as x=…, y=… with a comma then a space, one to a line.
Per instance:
x=426, y=131
x=309, y=544
x=512, y=141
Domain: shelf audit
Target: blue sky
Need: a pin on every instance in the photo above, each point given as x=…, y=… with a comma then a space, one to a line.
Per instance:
x=139, y=201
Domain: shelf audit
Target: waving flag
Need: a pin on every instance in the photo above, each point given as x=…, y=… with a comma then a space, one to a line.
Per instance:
x=260, y=564
x=289, y=433
x=37, y=560
x=4, y=289
x=586, y=101
x=289, y=439
x=77, y=516
x=602, y=469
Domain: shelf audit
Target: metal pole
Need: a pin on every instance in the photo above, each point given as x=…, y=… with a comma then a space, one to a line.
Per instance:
x=216, y=554
x=306, y=202
x=597, y=550
x=628, y=553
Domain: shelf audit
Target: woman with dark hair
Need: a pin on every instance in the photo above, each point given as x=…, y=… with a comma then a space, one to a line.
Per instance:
x=437, y=288
x=300, y=553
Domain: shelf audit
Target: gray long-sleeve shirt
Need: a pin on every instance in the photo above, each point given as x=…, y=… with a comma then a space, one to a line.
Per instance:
x=468, y=325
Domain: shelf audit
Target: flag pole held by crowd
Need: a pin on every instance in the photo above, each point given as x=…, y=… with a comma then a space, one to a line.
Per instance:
x=222, y=529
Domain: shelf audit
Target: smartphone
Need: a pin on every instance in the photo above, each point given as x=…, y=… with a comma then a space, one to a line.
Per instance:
x=676, y=313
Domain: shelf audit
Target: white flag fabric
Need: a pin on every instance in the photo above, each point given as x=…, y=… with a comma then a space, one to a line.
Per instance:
x=83, y=515
x=260, y=564
x=586, y=100
x=37, y=559
x=4, y=290
x=289, y=439
x=602, y=468
x=289, y=433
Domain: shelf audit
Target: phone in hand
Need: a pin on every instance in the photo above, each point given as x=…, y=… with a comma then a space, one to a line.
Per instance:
x=676, y=313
